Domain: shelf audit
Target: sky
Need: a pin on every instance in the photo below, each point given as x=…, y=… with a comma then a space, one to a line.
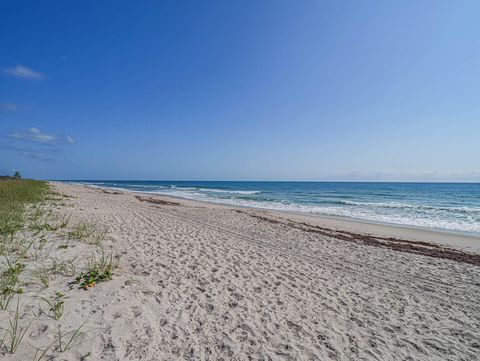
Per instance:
x=240, y=90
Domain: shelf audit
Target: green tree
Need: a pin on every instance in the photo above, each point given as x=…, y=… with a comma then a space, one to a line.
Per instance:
x=17, y=175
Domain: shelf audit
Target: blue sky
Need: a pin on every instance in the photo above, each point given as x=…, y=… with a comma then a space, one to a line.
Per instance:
x=241, y=90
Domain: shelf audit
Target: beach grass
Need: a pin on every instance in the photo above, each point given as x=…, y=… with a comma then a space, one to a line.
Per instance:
x=15, y=333
x=15, y=195
x=88, y=232
x=55, y=304
x=38, y=259
x=65, y=341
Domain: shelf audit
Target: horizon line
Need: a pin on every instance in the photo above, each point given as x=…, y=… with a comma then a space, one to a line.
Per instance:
x=263, y=181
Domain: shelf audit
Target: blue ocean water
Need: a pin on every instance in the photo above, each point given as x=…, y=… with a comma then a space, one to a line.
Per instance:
x=447, y=206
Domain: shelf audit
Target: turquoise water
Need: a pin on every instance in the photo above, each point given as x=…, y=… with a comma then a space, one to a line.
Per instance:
x=447, y=206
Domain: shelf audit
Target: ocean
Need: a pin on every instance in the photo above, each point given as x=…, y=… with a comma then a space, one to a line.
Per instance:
x=444, y=206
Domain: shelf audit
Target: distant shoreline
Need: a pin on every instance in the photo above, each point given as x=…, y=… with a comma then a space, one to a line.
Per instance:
x=462, y=240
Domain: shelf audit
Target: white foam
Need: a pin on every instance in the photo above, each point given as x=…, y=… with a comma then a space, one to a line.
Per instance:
x=228, y=191
x=411, y=206
x=463, y=219
x=373, y=214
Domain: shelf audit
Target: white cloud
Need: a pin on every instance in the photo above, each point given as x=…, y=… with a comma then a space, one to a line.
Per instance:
x=35, y=135
x=23, y=72
x=8, y=106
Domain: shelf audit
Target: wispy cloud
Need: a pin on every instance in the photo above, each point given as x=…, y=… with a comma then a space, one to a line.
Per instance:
x=23, y=72
x=399, y=176
x=11, y=107
x=42, y=146
x=44, y=154
x=35, y=135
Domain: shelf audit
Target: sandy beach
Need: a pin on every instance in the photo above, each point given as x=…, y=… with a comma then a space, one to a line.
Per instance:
x=199, y=281
x=239, y=180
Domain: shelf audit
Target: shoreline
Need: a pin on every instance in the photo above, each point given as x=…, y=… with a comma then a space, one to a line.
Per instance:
x=461, y=240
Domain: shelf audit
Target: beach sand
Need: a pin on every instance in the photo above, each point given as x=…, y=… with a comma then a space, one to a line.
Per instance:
x=199, y=281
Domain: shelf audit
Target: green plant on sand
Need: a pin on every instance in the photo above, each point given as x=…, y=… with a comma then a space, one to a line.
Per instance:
x=56, y=305
x=99, y=269
x=88, y=232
